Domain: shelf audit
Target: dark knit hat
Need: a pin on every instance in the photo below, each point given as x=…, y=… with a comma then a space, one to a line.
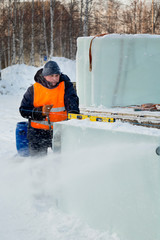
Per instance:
x=50, y=68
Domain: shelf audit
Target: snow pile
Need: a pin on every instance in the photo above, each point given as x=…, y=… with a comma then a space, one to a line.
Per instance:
x=17, y=78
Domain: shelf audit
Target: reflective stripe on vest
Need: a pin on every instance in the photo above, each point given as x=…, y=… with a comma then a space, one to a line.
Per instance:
x=44, y=96
x=42, y=122
x=60, y=109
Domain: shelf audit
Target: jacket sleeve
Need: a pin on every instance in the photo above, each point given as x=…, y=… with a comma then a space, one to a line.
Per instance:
x=71, y=99
x=27, y=110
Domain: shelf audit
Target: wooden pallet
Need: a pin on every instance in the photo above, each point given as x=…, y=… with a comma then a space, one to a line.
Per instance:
x=139, y=118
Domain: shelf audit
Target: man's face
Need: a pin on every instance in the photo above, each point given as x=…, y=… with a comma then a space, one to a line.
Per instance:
x=54, y=78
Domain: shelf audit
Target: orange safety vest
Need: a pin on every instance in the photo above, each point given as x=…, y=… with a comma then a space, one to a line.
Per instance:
x=45, y=96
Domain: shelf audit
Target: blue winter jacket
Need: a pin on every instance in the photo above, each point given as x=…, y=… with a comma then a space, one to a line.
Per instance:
x=71, y=99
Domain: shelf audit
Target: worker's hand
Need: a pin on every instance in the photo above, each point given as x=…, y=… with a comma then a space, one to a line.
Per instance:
x=46, y=109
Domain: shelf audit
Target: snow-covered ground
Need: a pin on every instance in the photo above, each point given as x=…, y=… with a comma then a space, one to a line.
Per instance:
x=30, y=187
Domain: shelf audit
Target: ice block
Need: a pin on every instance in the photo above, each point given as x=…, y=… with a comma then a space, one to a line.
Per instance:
x=125, y=70
x=111, y=176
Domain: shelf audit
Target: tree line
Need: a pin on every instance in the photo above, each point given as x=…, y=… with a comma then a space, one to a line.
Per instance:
x=32, y=30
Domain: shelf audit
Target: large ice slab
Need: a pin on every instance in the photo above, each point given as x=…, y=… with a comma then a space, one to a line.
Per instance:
x=111, y=176
x=125, y=70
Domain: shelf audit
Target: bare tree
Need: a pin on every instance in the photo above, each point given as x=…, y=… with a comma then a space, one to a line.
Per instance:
x=81, y=17
x=155, y=17
x=88, y=4
x=44, y=29
x=32, y=35
x=52, y=6
x=71, y=11
x=9, y=33
x=21, y=33
x=14, y=34
x=61, y=32
x=145, y=19
x=112, y=16
x=32, y=29
x=1, y=6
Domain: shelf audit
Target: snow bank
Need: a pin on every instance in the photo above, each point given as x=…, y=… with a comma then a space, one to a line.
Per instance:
x=17, y=78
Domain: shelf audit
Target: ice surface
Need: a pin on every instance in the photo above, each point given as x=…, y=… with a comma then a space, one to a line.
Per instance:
x=126, y=70
x=114, y=180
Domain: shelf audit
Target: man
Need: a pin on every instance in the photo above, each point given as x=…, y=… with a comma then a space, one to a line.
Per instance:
x=48, y=100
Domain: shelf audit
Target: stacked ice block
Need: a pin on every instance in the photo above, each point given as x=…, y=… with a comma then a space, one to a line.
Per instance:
x=125, y=70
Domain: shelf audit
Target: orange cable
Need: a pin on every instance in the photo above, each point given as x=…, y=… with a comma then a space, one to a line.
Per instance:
x=90, y=49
